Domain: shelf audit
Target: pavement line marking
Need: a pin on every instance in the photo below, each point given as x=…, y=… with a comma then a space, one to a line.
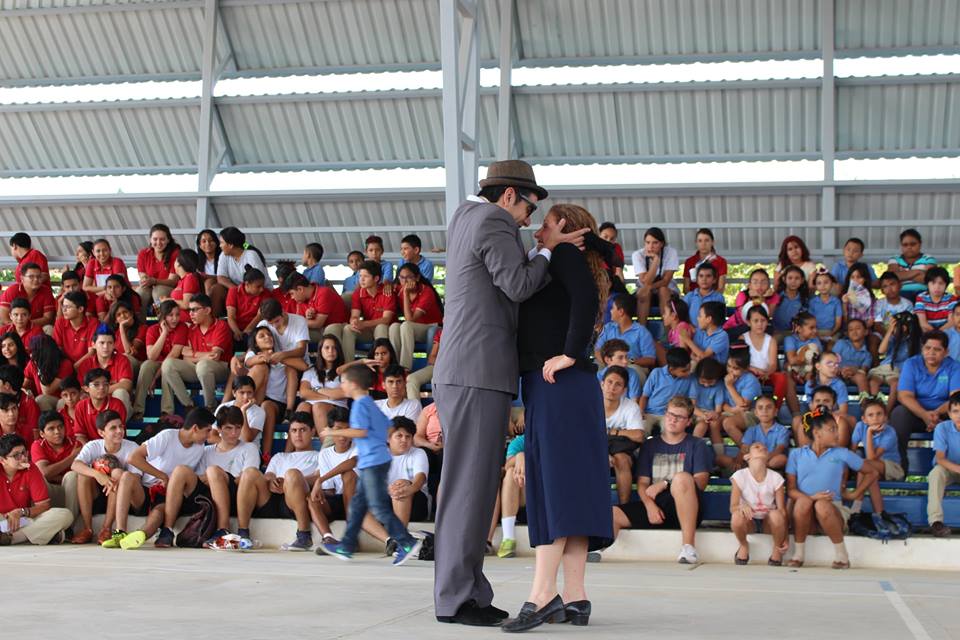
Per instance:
x=919, y=633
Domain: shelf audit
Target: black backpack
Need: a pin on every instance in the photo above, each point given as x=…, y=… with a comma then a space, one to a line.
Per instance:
x=894, y=526
x=200, y=526
x=426, y=548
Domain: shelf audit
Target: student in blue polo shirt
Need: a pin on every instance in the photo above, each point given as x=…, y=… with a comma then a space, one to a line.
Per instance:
x=663, y=384
x=815, y=480
x=826, y=307
x=879, y=442
x=775, y=436
x=827, y=374
x=852, y=254
x=710, y=340
x=946, y=444
x=708, y=393
x=741, y=389
x=855, y=357
x=643, y=352
x=706, y=290
x=614, y=353
x=953, y=334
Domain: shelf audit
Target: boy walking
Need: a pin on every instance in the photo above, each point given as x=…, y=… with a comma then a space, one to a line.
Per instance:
x=368, y=429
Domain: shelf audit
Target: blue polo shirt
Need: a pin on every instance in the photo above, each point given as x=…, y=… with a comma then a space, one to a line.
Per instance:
x=886, y=440
x=838, y=385
x=372, y=450
x=793, y=343
x=718, y=341
x=516, y=446
x=746, y=385
x=315, y=274
x=636, y=336
x=930, y=389
x=946, y=438
x=695, y=300
x=777, y=436
x=898, y=355
x=786, y=310
x=708, y=398
x=661, y=386
x=386, y=271
x=953, y=344
x=850, y=356
x=827, y=312
x=351, y=282
x=822, y=473
x=633, y=382
x=840, y=271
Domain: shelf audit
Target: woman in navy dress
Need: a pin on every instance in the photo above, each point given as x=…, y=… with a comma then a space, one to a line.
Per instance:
x=567, y=472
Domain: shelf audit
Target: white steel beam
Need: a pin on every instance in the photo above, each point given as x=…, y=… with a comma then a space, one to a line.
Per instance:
x=828, y=197
x=505, y=98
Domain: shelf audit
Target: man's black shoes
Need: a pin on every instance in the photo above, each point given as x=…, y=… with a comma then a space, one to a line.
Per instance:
x=472, y=615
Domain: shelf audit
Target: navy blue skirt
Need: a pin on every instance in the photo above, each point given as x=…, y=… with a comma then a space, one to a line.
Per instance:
x=567, y=467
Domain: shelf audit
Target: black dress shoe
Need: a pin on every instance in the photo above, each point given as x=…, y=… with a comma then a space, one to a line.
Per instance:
x=577, y=613
x=472, y=615
x=530, y=617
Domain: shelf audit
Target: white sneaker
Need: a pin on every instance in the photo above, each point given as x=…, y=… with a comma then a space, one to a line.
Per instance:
x=688, y=555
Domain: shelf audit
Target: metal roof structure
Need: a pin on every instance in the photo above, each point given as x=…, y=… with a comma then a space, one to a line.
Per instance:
x=45, y=42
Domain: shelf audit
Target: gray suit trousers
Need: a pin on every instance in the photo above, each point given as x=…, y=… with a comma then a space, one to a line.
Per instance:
x=474, y=423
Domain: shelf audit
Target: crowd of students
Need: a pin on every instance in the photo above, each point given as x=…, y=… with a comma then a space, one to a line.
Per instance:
x=81, y=365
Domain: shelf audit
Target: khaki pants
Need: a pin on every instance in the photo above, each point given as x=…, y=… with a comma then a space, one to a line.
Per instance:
x=403, y=337
x=148, y=370
x=938, y=480
x=417, y=379
x=46, y=525
x=151, y=295
x=367, y=335
x=65, y=494
x=175, y=372
x=123, y=396
x=642, y=373
x=316, y=335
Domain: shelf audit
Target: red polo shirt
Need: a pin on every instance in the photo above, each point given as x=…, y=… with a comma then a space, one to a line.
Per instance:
x=427, y=300
x=27, y=416
x=189, y=283
x=31, y=374
x=176, y=336
x=372, y=308
x=36, y=258
x=326, y=301
x=94, y=269
x=32, y=332
x=118, y=366
x=217, y=335
x=24, y=490
x=85, y=423
x=69, y=423
x=42, y=302
x=247, y=306
x=102, y=304
x=43, y=450
x=287, y=302
x=148, y=263
x=75, y=343
x=141, y=353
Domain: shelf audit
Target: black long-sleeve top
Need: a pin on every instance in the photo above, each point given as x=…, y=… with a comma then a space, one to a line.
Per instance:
x=559, y=319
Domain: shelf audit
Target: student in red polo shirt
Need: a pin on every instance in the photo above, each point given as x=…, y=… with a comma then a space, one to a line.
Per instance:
x=20, y=323
x=129, y=334
x=324, y=309
x=43, y=308
x=165, y=339
x=97, y=385
x=189, y=283
x=24, y=499
x=70, y=394
x=74, y=330
x=155, y=266
x=46, y=371
x=373, y=310
x=11, y=382
x=72, y=281
x=205, y=358
x=102, y=264
x=106, y=357
x=421, y=308
x=20, y=249
x=53, y=454
x=243, y=303
x=116, y=289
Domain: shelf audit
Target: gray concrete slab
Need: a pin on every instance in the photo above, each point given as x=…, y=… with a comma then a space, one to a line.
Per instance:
x=87, y=592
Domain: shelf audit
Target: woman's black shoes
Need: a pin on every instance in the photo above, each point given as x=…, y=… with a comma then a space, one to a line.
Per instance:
x=530, y=617
x=577, y=613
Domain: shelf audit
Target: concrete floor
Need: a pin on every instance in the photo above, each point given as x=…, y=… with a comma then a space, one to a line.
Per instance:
x=87, y=592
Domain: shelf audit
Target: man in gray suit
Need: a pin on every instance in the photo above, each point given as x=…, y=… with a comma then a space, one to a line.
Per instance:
x=488, y=274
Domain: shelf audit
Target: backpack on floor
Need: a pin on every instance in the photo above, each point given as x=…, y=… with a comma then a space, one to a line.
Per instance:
x=200, y=526
x=894, y=526
x=426, y=549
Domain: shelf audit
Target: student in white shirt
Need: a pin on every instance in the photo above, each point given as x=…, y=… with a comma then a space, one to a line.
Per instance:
x=320, y=386
x=168, y=462
x=97, y=481
x=244, y=398
x=223, y=464
x=407, y=479
x=235, y=256
x=757, y=502
x=625, y=431
x=337, y=481
x=396, y=403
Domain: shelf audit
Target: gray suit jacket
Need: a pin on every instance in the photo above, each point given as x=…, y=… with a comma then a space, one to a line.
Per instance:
x=488, y=275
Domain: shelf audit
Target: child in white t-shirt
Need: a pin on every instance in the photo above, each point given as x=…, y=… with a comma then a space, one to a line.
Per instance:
x=244, y=398
x=396, y=403
x=337, y=480
x=222, y=466
x=757, y=502
x=320, y=386
x=407, y=478
x=625, y=431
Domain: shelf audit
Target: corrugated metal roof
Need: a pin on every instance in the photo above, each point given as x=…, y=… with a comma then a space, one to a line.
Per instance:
x=897, y=24
x=939, y=241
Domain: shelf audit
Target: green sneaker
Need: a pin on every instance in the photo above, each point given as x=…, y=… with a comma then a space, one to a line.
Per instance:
x=113, y=542
x=508, y=549
x=133, y=540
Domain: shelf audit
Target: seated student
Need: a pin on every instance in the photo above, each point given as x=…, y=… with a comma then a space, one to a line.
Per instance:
x=934, y=306
x=337, y=481
x=351, y=282
x=764, y=363
x=396, y=403
x=705, y=290
x=827, y=367
x=858, y=300
x=757, y=500
x=422, y=311
x=74, y=330
x=624, y=428
x=710, y=340
x=22, y=251
x=27, y=411
x=855, y=357
x=946, y=470
x=46, y=371
x=25, y=503
x=324, y=310
x=741, y=391
x=774, y=436
x=825, y=307
x=672, y=472
x=164, y=339
x=204, y=358
x=953, y=334
x=291, y=337
x=243, y=304
x=320, y=386
x=155, y=266
x=236, y=257
x=69, y=283
x=757, y=294
x=43, y=308
x=312, y=255
x=20, y=322
x=642, y=352
x=168, y=463
x=416, y=379
x=116, y=289
x=70, y=394
x=373, y=310
x=13, y=352
x=383, y=357
x=614, y=353
x=253, y=416
x=900, y=343
x=189, y=283
x=106, y=357
x=285, y=269
x=513, y=495
x=129, y=334
x=101, y=266
x=429, y=437
x=223, y=464
x=407, y=478
x=373, y=246
x=676, y=325
x=891, y=304
x=816, y=474
x=410, y=249
x=53, y=453
x=284, y=489
x=881, y=453
x=708, y=394
x=274, y=382
x=794, y=297
x=801, y=347
x=663, y=384
x=97, y=479
x=852, y=254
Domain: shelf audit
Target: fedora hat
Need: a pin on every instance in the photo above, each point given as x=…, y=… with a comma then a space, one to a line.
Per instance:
x=513, y=173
